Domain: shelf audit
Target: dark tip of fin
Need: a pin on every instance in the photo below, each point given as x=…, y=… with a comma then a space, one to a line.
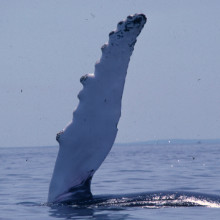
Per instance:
x=137, y=20
x=144, y=17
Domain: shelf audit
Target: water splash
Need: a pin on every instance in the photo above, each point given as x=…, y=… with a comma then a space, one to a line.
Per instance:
x=148, y=200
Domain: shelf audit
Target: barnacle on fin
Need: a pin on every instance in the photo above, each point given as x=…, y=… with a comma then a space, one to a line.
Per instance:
x=58, y=136
x=112, y=32
x=83, y=78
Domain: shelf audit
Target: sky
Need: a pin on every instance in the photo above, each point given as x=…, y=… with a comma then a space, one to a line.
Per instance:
x=172, y=88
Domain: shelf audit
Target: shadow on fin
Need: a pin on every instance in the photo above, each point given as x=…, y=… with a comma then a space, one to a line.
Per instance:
x=78, y=194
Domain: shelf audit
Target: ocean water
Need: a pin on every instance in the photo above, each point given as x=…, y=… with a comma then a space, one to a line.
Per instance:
x=134, y=182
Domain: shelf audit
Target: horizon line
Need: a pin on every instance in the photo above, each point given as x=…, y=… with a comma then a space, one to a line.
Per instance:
x=147, y=142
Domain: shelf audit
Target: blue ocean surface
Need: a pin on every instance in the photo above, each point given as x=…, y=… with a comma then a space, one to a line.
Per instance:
x=163, y=181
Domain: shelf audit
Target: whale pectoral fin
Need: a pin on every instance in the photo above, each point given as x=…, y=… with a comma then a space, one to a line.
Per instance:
x=89, y=137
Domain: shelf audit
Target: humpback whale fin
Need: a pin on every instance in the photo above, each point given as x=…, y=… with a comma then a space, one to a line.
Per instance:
x=88, y=138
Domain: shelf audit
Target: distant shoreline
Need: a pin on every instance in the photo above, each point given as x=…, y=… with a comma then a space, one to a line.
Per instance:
x=172, y=142
x=150, y=142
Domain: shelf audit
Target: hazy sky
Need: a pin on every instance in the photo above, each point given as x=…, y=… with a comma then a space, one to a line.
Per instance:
x=173, y=83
